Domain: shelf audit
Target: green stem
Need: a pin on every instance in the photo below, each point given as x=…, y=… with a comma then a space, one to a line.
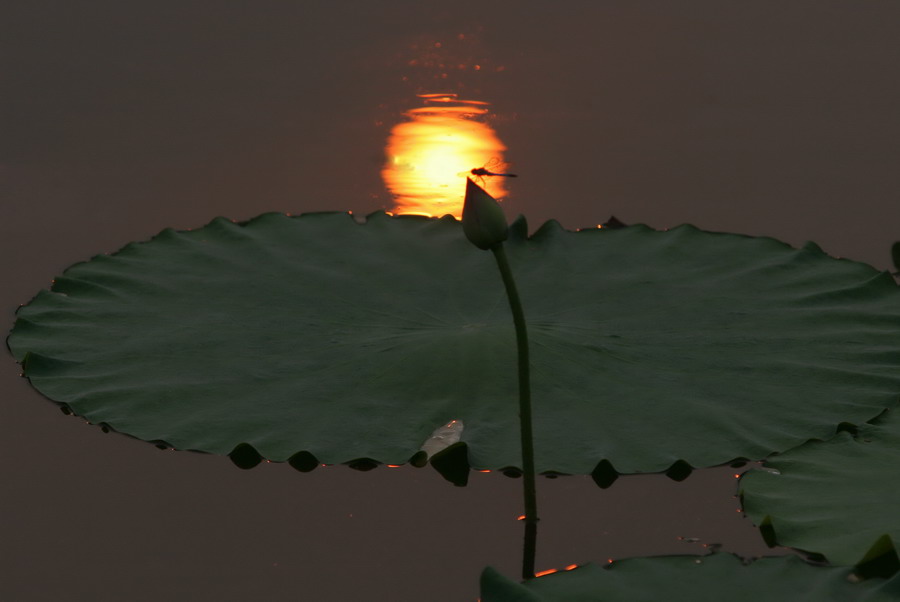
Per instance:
x=530, y=489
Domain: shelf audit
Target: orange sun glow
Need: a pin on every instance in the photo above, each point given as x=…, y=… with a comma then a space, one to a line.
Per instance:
x=430, y=155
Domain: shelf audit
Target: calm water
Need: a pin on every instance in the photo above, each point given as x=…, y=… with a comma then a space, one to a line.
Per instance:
x=125, y=118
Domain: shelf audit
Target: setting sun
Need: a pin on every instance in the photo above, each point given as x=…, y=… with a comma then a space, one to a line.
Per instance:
x=430, y=155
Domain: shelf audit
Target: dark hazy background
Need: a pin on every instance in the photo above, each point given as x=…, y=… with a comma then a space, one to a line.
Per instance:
x=121, y=118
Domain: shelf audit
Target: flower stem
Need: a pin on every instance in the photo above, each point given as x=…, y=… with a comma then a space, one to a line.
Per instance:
x=527, y=436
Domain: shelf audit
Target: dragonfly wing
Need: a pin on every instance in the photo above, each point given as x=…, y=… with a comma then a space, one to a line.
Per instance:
x=495, y=164
x=496, y=167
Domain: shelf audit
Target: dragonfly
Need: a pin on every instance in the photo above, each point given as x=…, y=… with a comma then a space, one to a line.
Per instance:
x=494, y=167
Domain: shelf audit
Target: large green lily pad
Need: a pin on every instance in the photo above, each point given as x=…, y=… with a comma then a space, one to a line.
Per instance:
x=342, y=340
x=692, y=579
x=839, y=498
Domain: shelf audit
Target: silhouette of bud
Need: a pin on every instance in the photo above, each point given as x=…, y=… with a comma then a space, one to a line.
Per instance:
x=483, y=220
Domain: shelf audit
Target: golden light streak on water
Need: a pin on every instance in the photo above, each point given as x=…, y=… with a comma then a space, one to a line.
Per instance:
x=430, y=155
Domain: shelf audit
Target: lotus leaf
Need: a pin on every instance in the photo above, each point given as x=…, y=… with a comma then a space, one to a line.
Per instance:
x=317, y=338
x=838, y=498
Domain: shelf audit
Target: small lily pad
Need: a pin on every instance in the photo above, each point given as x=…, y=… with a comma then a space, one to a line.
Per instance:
x=838, y=498
x=710, y=578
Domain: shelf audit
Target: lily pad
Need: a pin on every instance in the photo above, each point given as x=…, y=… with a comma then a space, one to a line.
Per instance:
x=838, y=498
x=692, y=579
x=337, y=340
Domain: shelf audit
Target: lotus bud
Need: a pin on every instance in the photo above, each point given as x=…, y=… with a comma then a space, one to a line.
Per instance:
x=483, y=220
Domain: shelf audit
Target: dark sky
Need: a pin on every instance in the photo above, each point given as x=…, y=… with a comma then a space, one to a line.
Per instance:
x=122, y=118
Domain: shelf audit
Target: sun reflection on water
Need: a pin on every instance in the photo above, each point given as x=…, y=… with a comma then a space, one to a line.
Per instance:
x=430, y=155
